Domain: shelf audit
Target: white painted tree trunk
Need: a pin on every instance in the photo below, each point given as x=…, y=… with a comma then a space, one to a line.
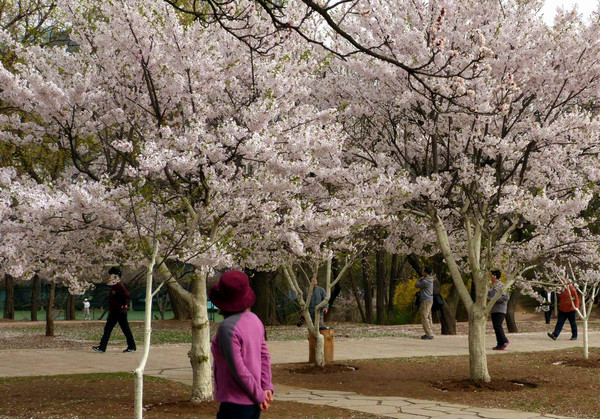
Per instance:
x=199, y=354
x=139, y=371
x=477, y=356
x=586, y=353
x=319, y=350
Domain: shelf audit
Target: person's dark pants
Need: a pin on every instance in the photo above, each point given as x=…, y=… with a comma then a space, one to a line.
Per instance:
x=238, y=411
x=547, y=315
x=114, y=318
x=497, y=320
x=560, y=322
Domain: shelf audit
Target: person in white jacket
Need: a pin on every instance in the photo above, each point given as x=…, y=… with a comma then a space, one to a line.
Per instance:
x=86, y=309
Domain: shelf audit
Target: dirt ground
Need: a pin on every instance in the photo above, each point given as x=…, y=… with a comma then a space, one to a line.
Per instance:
x=557, y=382
x=111, y=396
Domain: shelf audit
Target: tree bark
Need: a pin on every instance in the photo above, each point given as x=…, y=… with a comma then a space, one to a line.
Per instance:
x=447, y=320
x=319, y=349
x=380, y=285
x=511, y=323
x=181, y=308
x=356, y=294
x=393, y=280
x=202, y=388
x=139, y=371
x=477, y=356
x=586, y=352
x=337, y=289
x=367, y=288
x=70, y=313
x=9, y=300
x=264, y=306
x=35, y=295
x=49, y=313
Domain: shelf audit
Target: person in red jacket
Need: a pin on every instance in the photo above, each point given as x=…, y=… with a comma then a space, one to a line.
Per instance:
x=118, y=302
x=568, y=301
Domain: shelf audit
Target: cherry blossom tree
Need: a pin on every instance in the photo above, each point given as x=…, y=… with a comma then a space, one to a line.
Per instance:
x=170, y=117
x=500, y=177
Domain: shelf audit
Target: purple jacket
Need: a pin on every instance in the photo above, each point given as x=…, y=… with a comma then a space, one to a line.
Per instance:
x=242, y=364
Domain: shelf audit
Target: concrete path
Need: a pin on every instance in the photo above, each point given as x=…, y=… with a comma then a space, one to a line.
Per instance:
x=14, y=363
x=171, y=362
x=398, y=407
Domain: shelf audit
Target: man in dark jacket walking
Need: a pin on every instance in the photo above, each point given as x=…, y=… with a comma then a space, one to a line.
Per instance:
x=118, y=302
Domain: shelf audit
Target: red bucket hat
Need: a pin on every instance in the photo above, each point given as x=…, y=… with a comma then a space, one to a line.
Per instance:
x=232, y=293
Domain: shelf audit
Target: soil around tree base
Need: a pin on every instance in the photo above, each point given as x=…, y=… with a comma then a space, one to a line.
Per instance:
x=554, y=382
x=494, y=385
x=111, y=396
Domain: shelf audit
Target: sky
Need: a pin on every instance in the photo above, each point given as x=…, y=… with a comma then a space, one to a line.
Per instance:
x=584, y=7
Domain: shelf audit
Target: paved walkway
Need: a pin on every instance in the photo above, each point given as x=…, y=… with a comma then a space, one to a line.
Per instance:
x=171, y=362
x=398, y=407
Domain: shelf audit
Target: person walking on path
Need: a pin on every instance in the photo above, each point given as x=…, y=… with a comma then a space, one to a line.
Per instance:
x=318, y=295
x=568, y=301
x=118, y=302
x=86, y=309
x=549, y=297
x=498, y=310
x=425, y=284
x=242, y=364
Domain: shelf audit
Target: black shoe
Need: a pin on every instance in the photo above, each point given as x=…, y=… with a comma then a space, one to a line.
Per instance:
x=97, y=349
x=573, y=338
x=552, y=336
x=429, y=337
x=129, y=350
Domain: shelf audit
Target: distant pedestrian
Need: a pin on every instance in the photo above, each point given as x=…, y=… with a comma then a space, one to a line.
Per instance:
x=549, y=297
x=498, y=310
x=568, y=301
x=86, y=309
x=118, y=303
x=242, y=366
x=318, y=295
x=426, y=301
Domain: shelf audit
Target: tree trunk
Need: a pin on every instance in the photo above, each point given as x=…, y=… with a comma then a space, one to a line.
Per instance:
x=70, y=313
x=447, y=320
x=380, y=284
x=35, y=295
x=356, y=294
x=49, y=313
x=161, y=302
x=393, y=280
x=586, y=353
x=139, y=371
x=477, y=355
x=264, y=306
x=9, y=300
x=319, y=349
x=367, y=288
x=181, y=308
x=337, y=289
x=202, y=388
x=511, y=323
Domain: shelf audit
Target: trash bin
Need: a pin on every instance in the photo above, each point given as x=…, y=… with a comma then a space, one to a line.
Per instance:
x=327, y=333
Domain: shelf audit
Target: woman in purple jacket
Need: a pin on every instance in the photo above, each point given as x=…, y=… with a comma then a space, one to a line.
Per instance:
x=242, y=366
